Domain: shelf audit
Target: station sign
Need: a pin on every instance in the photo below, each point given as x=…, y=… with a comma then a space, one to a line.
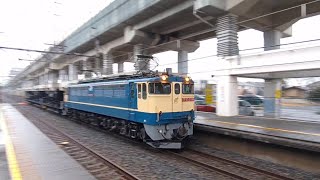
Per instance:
x=209, y=92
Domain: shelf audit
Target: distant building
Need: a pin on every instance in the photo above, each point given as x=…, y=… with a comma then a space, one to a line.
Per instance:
x=294, y=92
x=200, y=86
x=255, y=88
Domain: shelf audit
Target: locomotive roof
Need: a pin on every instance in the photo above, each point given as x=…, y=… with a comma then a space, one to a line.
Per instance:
x=124, y=81
x=118, y=77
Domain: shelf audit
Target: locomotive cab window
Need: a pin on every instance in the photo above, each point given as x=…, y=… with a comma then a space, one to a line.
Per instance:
x=144, y=91
x=159, y=88
x=187, y=89
x=177, y=88
x=139, y=91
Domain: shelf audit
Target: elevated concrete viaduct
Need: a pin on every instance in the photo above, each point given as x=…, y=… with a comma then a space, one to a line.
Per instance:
x=129, y=27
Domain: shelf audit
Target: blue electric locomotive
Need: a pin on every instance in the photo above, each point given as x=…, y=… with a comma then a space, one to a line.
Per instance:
x=158, y=109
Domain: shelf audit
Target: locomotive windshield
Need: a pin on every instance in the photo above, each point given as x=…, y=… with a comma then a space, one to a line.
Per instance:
x=159, y=88
x=187, y=89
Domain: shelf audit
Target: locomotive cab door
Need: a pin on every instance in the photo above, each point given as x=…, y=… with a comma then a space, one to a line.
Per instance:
x=132, y=100
x=176, y=97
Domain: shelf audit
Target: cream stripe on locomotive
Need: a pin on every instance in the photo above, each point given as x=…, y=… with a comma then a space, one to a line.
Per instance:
x=100, y=105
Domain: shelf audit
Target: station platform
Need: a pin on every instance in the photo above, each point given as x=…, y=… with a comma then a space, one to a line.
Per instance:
x=31, y=155
x=285, y=132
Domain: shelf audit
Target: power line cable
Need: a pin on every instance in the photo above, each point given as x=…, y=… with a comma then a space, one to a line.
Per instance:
x=42, y=51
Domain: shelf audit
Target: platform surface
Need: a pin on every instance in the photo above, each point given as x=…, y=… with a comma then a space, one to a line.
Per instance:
x=285, y=128
x=31, y=155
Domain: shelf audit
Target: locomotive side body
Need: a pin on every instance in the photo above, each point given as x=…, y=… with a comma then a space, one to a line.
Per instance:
x=158, y=111
x=105, y=98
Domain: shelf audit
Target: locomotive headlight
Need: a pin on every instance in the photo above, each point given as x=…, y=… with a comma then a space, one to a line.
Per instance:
x=164, y=77
x=187, y=79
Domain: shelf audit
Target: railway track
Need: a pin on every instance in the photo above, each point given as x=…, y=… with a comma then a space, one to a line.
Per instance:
x=226, y=167
x=100, y=167
x=211, y=163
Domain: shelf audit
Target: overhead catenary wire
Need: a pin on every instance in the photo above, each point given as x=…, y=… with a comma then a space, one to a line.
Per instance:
x=43, y=51
x=31, y=60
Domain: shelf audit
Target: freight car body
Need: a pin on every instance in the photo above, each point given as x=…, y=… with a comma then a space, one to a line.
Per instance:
x=158, y=110
x=49, y=99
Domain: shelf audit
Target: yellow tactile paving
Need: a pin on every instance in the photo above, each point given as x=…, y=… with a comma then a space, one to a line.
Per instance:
x=32, y=155
x=11, y=155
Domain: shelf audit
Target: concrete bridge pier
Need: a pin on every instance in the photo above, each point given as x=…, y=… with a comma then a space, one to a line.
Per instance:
x=40, y=80
x=107, y=63
x=86, y=68
x=272, y=95
x=120, y=67
x=35, y=82
x=72, y=72
x=98, y=66
x=183, y=62
x=52, y=79
x=227, y=96
x=227, y=91
x=272, y=90
x=45, y=78
x=28, y=83
x=272, y=39
x=44, y=81
x=62, y=75
x=140, y=64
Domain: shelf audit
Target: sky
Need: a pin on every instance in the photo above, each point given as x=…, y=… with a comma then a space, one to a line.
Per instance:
x=33, y=24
